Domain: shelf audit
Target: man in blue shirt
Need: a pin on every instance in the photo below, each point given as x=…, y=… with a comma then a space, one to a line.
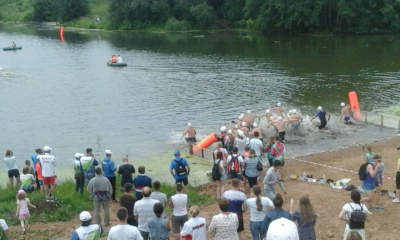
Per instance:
x=35, y=160
x=141, y=181
x=179, y=168
x=322, y=117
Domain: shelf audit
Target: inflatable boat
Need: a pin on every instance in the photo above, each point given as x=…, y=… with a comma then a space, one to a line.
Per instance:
x=117, y=64
x=11, y=48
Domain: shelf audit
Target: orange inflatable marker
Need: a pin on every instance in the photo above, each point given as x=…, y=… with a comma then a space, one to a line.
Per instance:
x=205, y=143
x=62, y=33
x=354, y=105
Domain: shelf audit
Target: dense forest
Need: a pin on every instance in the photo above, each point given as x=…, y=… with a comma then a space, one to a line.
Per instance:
x=269, y=16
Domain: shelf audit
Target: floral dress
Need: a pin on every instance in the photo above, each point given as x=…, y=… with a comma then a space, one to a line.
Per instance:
x=306, y=229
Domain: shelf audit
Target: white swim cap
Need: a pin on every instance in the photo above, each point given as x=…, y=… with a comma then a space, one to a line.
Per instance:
x=342, y=104
x=267, y=111
x=223, y=129
x=189, y=124
x=241, y=133
x=294, y=111
x=319, y=108
x=271, y=118
x=248, y=111
x=290, y=112
x=240, y=117
x=243, y=124
x=278, y=104
x=255, y=125
x=230, y=131
x=280, y=118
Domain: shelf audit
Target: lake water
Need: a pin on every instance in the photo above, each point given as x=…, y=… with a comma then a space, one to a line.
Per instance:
x=63, y=95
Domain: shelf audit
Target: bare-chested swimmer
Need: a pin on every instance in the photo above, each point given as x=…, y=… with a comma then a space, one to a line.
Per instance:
x=191, y=137
x=346, y=113
x=279, y=125
x=322, y=117
x=250, y=118
x=255, y=129
x=245, y=128
x=279, y=110
x=295, y=119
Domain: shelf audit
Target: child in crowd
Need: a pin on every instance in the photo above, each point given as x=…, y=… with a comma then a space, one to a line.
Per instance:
x=22, y=209
x=28, y=164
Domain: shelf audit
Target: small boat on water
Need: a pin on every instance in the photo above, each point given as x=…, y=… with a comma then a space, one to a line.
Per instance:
x=122, y=64
x=11, y=48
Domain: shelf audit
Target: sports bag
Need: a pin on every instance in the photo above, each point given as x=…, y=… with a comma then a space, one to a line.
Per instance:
x=215, y=172
x=233, y=165
x=362, y=172
x=180, y=168
x=357, y=218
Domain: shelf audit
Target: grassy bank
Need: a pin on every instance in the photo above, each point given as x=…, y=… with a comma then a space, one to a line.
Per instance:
x=71, y=203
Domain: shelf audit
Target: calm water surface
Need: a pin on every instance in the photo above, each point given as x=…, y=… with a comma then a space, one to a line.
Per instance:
x=62, y=94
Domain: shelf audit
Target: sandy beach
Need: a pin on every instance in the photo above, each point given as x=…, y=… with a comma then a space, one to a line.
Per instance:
x=326, y=200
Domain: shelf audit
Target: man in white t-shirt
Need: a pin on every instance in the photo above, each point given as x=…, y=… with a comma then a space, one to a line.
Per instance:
x=143, y=211
x=124, y=231
x=3, y=229
x=48, y=164
x=179, y=214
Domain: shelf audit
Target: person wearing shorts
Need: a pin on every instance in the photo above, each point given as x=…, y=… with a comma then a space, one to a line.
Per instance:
x=369, y=183
x=179, y=213
x=397, y=199
x=48, y=164
x=13, y=172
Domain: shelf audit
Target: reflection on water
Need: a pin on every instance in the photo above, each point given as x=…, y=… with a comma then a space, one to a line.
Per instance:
x=62, y=94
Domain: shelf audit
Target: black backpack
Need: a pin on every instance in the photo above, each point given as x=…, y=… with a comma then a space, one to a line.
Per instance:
x=357, y=218
x=362, y=172
x=215, y=172
x=180, y=168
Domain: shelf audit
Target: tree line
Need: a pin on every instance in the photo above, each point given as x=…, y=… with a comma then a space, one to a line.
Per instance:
x=270, y=16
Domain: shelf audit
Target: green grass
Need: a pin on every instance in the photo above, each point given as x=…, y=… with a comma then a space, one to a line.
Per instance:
x=71, y=204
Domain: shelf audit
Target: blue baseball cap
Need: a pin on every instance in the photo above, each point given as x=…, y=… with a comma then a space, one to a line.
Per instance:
x=177, y=153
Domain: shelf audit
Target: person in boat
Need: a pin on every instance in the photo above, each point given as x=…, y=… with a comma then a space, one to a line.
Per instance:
x=13, y=45
x=119, y=59
x=113, y=59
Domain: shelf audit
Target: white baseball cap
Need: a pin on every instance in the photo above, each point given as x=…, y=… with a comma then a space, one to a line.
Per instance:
x=85, y=216
x=108, y=152
x=46, y=148
x=282, y=229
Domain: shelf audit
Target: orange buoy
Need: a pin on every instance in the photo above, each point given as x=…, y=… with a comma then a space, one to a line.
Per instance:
x=205, y=143
x=354, y=105
x=62, y=33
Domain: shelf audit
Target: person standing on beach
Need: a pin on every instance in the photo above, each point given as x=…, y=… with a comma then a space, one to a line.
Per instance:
x=369, y=155
x=322, y=118
x=126, y=170
x=140, y=182
x=179, y=214
x=397, y=199
x=100, y=191
x=144, y=211
x=123, y=231
x=109, y=172
x=88, y=164
x=87, y=230
x=237, y=201
x=48, y=166
x=272, y=178
x=179, y=169
x=128, y=201
x=13, y=171
x=156, y=194
x=34, y=157
x=369, y=183
x=191, y=137
x=256, y=144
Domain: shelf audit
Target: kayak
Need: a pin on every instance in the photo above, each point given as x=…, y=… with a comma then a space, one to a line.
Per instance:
x=11, y=48
x=116, y=64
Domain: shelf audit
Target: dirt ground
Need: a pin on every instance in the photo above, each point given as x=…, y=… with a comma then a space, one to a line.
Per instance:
x=326, y=200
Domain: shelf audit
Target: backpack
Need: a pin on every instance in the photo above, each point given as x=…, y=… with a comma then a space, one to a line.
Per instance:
x=362, y=172
x=233, y=165
x=357, y=218
x=180, y=168
x=215, y=172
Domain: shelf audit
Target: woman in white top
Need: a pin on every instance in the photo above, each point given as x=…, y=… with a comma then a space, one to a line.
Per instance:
x=224, y=225
x=13, y=172
x=259, y=206
x=348, y=208
x=195, y=227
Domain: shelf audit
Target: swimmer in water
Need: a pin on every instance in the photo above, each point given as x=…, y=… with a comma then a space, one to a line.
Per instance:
x=250, y=118
x=346, y=113
x=255, y=129
x=322, y=117
x=279, y=125
x=191, y=137
x=295, y=119
x=279, y=110
x=245, y=128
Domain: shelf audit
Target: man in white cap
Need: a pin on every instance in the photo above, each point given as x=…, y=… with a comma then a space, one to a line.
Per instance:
x=124, y=231
x=322, y=118
x=240, y=142
x=48, y=164
x=191, y=136
x=346, y=113
x=255, y=129
x=87, y=230
x=221, y=137
x=230, y=140
x=279, y=124
x=278, y=109
x=295, y=119
x=282, y=229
